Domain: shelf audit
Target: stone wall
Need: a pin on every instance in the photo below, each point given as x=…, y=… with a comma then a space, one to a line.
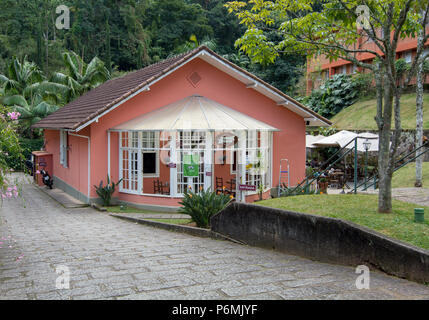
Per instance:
x=408, y=138
x=321, y=238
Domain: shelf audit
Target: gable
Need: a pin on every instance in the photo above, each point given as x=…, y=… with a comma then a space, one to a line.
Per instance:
x=100, y=101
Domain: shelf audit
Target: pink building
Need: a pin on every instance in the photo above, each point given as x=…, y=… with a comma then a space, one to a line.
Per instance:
x=192, y=121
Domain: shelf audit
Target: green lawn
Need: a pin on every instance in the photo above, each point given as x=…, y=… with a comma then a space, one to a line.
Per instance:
x=172, y=221
x=406, y=176
x=362, y=209
x=117, y=209
x=361, y=114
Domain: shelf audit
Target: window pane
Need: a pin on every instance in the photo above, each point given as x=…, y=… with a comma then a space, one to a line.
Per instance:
x=149, y=163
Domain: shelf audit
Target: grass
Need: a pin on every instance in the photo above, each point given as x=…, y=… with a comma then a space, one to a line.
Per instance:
x=173, y=221
x=361, y=114
x=117, y=209
x=406, y=176
x=362, y=210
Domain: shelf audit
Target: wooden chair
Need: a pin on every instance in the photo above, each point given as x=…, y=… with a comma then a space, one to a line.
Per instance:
x=156, y=187
x=220, y=187
x=232, y=187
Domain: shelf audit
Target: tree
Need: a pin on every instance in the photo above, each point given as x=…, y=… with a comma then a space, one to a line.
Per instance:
x=80, y=77
x=26, y=90
x=340, y=29
x=421, y=75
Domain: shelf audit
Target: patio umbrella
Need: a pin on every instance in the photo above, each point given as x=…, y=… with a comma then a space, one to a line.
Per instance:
x=310, y=140
x=339, y=139
x=342, y=138
x=362, y=137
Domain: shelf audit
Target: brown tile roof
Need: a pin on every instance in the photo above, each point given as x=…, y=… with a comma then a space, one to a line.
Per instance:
x=98, y=100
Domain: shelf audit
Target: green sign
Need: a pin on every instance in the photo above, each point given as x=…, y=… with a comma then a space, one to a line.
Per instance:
x=191, y=165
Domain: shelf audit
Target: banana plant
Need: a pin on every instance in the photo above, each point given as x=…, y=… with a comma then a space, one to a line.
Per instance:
x=79, y=76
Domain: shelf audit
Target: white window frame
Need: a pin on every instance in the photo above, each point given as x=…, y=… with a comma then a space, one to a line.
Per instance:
x=63, y=148
x=408, y=56
x=156, y=151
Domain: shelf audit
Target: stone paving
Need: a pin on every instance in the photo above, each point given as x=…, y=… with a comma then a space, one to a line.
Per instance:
x=113, y=259
x=419, y=196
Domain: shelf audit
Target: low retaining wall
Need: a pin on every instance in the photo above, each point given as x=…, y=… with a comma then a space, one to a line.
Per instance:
x=321, y=238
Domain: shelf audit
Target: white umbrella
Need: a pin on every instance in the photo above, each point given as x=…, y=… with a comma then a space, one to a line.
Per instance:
x=366, y=138
x=339, y=139
x=342, y=138
x=310, y=140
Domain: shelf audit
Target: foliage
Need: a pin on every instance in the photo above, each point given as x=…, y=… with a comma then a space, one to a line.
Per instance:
x=26, y=90
x=127, y=36
x=364, y=82
x=324, y=131
x=201, y=206
x=9, y=146
x=80, y=77
x=105, y=192
x=335, y=94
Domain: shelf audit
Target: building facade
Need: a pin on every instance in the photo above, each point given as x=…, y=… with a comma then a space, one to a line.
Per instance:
x=195, y=121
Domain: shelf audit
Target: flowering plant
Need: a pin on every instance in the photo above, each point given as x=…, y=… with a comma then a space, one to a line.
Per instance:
x=9, y=146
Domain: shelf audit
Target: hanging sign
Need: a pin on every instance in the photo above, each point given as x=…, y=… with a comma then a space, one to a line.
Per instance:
x=191, y=165
x=246, y=187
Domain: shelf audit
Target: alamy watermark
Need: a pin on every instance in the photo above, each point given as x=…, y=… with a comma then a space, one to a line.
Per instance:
x=63, y=280
x=362, y=281
x=362, y=20
x=63, y=20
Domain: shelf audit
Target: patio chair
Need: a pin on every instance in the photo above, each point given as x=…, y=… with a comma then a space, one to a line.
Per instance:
x=220, y=187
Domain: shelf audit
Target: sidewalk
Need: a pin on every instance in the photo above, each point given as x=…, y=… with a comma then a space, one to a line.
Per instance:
x=419, y=196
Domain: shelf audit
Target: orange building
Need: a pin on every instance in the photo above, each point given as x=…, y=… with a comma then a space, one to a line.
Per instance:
x=321, y=68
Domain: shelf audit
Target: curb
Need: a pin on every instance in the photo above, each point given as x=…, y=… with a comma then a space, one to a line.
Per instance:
x=193, y=231
x=43, y=189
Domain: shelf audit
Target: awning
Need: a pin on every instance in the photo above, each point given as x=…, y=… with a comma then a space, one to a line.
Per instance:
x=194, y=113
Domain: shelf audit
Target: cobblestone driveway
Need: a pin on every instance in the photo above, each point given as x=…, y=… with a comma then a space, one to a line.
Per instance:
x=114, y=259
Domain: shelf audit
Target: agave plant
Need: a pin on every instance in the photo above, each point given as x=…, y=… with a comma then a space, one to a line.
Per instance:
x=105, y=192
x=203, y=205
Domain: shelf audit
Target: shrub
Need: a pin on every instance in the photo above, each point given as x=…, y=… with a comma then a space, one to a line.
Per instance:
x=201, y=206
x=27, y=146
x=335, y=94
x=105, y=192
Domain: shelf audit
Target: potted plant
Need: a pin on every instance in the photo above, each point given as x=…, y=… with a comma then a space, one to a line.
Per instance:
x=323, y=185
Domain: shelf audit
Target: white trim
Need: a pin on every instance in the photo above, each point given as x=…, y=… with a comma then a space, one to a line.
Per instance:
x=204, y=53
x=89, y=160
x=252, y=80
x=145, y=88
x=108, y=153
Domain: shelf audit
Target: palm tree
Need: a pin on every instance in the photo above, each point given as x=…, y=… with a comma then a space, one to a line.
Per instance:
x=20, y=75
x=81, y=77
x=27, y=92
x=193, y=44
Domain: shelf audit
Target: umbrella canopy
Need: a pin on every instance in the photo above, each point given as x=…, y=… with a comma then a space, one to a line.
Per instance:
x=339, y=139
x=366, y=137
x=194, y=113
x=342, y=138
x=310, y=140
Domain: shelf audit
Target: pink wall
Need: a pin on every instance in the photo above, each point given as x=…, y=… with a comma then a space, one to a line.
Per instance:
x=76, y=174
x=216, y=85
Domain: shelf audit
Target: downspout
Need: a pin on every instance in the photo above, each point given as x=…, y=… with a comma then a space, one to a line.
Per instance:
x=89, y=162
